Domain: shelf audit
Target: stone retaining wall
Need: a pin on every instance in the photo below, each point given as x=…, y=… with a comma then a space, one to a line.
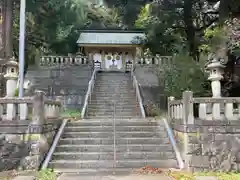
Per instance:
x=209, y=145
x=70, y=82
x=24, y=146
x=151, y=91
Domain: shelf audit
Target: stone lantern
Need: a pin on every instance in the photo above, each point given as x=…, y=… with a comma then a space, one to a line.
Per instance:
x=215, y=69
x=11, y=77
x=147, y=56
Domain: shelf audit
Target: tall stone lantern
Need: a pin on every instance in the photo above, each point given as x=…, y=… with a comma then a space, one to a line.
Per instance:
x=215, y=69
x=11, y=85
x=147, y=56
x=11, y=77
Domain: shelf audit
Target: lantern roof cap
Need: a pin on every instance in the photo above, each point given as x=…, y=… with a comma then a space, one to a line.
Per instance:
x=215, y=64
x=12, y=63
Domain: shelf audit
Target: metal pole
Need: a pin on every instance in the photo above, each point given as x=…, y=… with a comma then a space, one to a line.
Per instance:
x=21, y=46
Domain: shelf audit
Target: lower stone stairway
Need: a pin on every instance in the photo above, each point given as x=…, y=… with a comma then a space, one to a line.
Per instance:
x=97, y=146
x=113, y=95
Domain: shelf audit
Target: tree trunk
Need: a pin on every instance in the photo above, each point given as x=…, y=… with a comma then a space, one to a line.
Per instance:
x=223, y=10
x=2, y=28
x=8, y=28
x=189, y=28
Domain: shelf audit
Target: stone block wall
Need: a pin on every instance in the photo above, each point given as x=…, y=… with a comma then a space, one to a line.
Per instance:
x=68, y=81
x=18, y=142
x=151, y=90
x=209, y=145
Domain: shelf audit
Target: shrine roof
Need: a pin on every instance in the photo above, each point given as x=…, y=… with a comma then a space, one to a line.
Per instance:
x=110, y=37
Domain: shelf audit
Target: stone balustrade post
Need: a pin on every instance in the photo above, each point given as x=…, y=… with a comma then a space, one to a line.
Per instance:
x=38, y=108
x=38, y=142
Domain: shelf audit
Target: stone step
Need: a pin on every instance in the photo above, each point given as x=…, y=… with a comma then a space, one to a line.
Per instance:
x=111, y=116
x=110, y=148
x=118, y=122
x=110, y=155
x=119, y=134
x=112, y=86
x=104, y=114
x=119, y=105
x=125, y=82
x=112, y=92
x=111, y=164
x=124, y=95
x=94, y=172
x=111, y=103
x=110, y=100
x=113, y=109
x=74, y=128
x=119, y=141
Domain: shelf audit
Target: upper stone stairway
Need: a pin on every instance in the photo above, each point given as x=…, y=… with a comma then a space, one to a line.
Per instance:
x=113, y=95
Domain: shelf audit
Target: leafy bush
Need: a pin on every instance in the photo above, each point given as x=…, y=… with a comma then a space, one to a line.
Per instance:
x=151, y=109
x=46, y=174
x=16, y=92
x=185, y=74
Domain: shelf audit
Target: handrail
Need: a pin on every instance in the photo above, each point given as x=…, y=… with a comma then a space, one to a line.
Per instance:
x=54, y=144
x=90, y=88
x=139, y=98
x=174, y=144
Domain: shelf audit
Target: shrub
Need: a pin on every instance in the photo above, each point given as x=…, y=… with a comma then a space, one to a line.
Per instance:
x=46, y=174
x=185, y=74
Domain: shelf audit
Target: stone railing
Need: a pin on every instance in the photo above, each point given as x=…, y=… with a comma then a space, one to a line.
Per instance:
x=88, y=95
x=161, y=60
x=63, y=60
x=14, y=108
x=138, y=94
x=207, y=131
x=27, y=129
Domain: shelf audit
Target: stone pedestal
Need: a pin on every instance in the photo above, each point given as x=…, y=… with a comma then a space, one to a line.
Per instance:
x=11, y=86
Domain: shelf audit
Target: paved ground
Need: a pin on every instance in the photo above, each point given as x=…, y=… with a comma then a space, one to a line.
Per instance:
x=129, y=177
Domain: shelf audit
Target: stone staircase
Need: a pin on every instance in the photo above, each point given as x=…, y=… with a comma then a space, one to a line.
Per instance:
x=113, y=95
x=114, y=137
x=87, y=146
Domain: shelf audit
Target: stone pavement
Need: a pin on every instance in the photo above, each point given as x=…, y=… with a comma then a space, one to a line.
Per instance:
x=110, y=177
x=129, y=177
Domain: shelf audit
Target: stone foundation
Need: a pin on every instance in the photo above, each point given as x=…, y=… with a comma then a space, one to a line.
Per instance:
x=211, y=145
x=21, y=150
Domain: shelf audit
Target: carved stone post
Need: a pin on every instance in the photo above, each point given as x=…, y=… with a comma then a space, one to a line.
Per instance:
x=215, y=69
x=11, y=86
x=37, y=141
x=38, y=108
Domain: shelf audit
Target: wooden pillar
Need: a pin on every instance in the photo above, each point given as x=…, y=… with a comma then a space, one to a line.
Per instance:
x=103, y=59
x=124, y=60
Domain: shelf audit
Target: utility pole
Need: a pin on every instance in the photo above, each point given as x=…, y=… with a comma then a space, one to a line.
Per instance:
x=21, y=46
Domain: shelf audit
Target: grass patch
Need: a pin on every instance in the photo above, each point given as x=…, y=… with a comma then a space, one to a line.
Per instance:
x=191, y=176
x=46, y=174
x=71, y=113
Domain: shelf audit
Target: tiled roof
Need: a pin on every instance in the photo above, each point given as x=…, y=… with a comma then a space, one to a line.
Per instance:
x=109, y=38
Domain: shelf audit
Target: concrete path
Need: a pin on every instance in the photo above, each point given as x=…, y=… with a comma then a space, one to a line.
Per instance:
x=129, y=177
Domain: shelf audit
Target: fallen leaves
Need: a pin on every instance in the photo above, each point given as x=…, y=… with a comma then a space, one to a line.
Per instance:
x=149, y=170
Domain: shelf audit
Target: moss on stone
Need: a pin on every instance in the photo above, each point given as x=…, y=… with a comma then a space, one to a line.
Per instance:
x=181, y=175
